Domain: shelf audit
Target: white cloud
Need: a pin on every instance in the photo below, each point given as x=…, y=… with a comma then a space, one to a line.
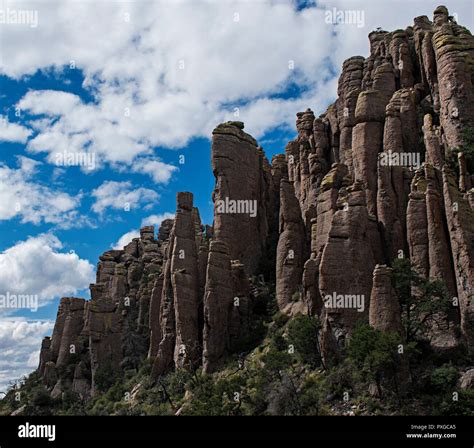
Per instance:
x=80, y=129
x=170, y=71
x=37, y=267
x=351, y=40
x=20, y=342
x=33, y=202
x=152, y=220
x=160, y=172
x=157, y=84
x=49, y=102
x=13, y=132
x=121, y=196
x=156, y=220
x=125, y=239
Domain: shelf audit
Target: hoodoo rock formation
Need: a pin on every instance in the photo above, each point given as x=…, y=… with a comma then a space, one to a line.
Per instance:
x=369, y=181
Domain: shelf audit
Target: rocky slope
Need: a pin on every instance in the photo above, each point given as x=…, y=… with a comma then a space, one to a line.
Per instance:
x=368, y=182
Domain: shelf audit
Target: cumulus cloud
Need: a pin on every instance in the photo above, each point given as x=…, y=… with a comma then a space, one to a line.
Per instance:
x=38, y=267
x=351, y=39
x=152, y=220
x=156, y=220
x=121, y=196
x=12, y=132
x=160, y=172
x=167, y=72
x=66, y=125
x=125, y=239
x=20, y=342
x=156, y=84
x=32, y=202
x=49, y=102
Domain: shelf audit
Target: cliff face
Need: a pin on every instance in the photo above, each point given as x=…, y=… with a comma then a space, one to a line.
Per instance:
x=363, y=184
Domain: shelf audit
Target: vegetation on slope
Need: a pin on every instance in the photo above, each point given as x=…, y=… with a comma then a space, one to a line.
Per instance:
x=283, y=374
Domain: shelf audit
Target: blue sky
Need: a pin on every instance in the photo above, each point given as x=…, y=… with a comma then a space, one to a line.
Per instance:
x=194, y=175
x=90, y=240
x=139, y=86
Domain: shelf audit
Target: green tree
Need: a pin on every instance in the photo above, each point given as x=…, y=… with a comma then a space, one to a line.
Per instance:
x=105, y=377
x=375, y=353
x=41, y=397
x=467, y=135
x=303, y=335
x=444, y=378
x=423, y=301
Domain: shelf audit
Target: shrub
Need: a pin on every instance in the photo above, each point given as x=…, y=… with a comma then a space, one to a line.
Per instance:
x=424, y=302
x=280, y=319
x=375, y=352
x=41, y=397
x=275, y=361
x=105, y=377
x=311, y=396
x=467, y=148
x=463, y=406
x=303, y=335
x=444, y=378
x=175, y=383
x=340, y=379
x=211, y=397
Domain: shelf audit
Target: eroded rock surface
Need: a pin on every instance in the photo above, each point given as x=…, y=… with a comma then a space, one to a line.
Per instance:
x=368, y=181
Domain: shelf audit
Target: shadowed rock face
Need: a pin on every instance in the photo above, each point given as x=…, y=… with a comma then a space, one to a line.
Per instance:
x=460, y=217
x=291, y=250
x=154, y=318
x=185, y=283
x=218, y=303
x=67, y=328
x=347, y=262
x=453, y=45
x=241, y=194
x=179, y=304
x=384, y=307
x=365, y=182
x=417, y=226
